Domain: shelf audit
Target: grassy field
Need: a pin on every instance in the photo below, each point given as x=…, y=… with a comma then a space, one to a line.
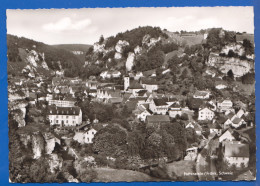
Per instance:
x=121, y=175
x=179, y=167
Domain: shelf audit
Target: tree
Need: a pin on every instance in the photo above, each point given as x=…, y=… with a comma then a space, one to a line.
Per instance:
x=248, y=78
x=101, y=39
x=230, y=74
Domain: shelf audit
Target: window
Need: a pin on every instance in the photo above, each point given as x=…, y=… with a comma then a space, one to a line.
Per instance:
x=57, y=121
x=67, y=121
x=67, y=117
x=57, y=116
x=92, y=132
x=73, y=117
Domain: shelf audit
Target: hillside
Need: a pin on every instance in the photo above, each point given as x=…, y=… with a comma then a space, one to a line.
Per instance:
x=73, y=47
x=36, y=55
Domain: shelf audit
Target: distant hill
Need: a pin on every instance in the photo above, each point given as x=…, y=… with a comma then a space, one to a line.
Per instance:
x=73, y=47
x=37, y=54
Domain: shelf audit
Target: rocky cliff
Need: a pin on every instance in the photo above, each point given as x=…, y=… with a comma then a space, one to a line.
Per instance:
x=224, y=64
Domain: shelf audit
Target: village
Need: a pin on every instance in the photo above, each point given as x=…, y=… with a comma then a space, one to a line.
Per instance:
x=220, y=124
x=145, y=105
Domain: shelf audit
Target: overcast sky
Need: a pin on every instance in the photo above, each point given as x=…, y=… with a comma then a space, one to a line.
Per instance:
x=68, y=26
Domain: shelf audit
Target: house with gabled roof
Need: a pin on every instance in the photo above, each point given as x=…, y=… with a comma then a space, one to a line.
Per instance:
x=225, y=105
x=174, y=110
x=237, y=122
x=215, y=127
x=142, y=112
x=85, y=137
x=198, y=129
x=64, y=116
x=159, y=106
x=201, y=94
x=205, y=114
x=149, y=84
x=227, y=136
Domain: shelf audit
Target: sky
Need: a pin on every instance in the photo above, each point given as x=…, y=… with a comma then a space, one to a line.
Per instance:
x=85, y=26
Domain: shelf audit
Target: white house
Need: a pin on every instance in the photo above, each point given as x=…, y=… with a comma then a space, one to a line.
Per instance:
x=201, y=94
x=236, y=153
x=220, y=85
x=141, y=113
x=227, y=136
x=174, y=110
x=66, y=102
x=85, y=137
x=225, y=105
x=65, y=116
x=215, y=128
x=159, y=106
x=237, y=122
x=206, y=114
x=149, y=84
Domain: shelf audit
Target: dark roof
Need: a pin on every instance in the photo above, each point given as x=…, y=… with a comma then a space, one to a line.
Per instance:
x=115, y=100
x=236, y=120
x=131, y=105
x=63, y=110
x=159, y=102
x=149, y=81
x=149, y=72
x=214, y=126
x=158, y=118
x=135, y=85
x=233, y=149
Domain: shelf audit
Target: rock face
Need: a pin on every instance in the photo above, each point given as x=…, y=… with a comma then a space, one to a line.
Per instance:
x=237, y=48
x=120, y=46
x=55, y=163
x=98, y=47
x=137, y=49
x=118, y=55
x=224, y=64
x=51, y=141
x=130, y=61
x=148, y=41
x=37, y=145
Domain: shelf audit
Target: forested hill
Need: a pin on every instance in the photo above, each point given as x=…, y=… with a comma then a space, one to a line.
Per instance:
x=20, y=49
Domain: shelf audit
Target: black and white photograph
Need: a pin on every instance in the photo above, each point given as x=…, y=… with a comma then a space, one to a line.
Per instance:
x=147, y=94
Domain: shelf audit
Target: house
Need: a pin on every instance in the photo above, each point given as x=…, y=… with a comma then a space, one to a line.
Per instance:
x=18, y=82
x=236, y=153
x=240, y=113
x=141, y=113
x=85, y=137
x=227, y=123
x=201, y=94
x=65, y=116
x=227, y=136
x=150, y=73
x=198, y=129
x=110, y=74
x=92, y=93
x=159, y=106
x=224, y=105
x=237, y=122
x=221, y=85
x=157, y=120
x=174, y=110
x=215, y=127
x=138, y=75
x=206, y=114
x=92, y=85
x=149, y=84
x=191, y=154
x=60, y=101
x=134, y=88
x=141, y=93
x=106, y=94
x=213, y=105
